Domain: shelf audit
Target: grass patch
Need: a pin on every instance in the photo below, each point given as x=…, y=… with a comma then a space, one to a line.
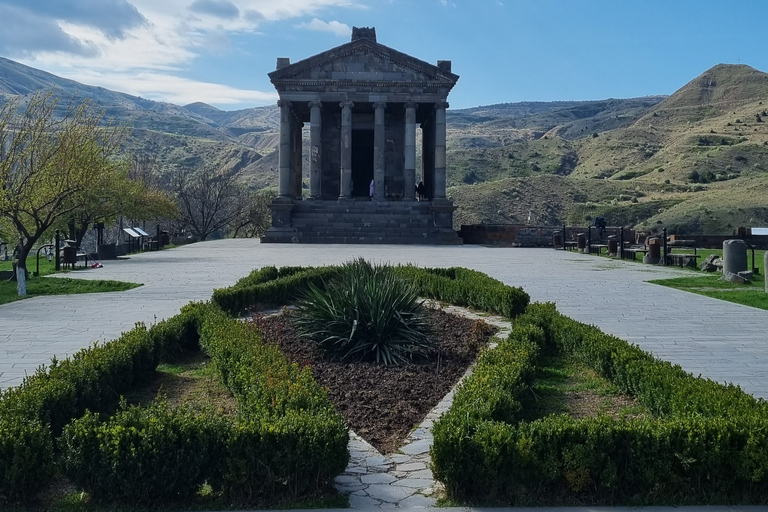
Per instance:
x=749, y=294
x=566, y=385
x=192, y=379
x=60, y=286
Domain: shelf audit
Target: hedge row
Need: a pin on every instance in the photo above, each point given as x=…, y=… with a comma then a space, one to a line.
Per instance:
x=269, y=286
x=708, y=443
x=465, y=287
x=34, y=413
x=285, y=442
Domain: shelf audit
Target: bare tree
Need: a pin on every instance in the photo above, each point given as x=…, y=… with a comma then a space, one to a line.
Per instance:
x=209, y=199
x=257, y=217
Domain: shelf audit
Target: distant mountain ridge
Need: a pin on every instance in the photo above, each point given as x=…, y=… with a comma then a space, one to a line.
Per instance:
x=696, y=160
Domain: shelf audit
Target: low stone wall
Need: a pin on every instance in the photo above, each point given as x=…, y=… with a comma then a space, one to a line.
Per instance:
x=524, y=235
x=716, y=241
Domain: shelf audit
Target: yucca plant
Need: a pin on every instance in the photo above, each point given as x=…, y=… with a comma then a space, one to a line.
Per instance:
x=366, y=313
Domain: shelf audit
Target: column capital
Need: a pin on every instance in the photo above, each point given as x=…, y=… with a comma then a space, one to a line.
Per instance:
x=379, y=104
x=284, y=103
x=411, y=104
x=346, y=104
x=441, y=104
x=315, y=104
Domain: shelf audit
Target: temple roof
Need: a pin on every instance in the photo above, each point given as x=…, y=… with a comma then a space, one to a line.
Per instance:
x=363, y=60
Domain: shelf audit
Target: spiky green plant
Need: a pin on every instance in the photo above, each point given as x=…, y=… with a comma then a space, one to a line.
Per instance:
x=366, y=313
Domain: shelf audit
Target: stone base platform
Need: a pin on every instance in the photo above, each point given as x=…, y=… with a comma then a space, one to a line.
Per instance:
x=363, y=222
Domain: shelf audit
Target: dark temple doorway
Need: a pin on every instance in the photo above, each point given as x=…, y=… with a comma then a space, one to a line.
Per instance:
x=362, y=162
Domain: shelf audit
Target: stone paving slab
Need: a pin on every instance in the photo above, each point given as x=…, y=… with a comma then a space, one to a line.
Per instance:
x=703, y=335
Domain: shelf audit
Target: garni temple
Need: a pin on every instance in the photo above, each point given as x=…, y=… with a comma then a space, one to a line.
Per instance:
x=364, y=103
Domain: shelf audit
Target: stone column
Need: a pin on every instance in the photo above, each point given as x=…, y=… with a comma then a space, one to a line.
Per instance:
x=315, y=147
x=409, y=172
x=284, y=155
x=346, y=150
x=440, y=180
x=379, y=147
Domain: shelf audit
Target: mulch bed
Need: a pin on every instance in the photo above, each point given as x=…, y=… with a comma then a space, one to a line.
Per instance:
x=381, y=403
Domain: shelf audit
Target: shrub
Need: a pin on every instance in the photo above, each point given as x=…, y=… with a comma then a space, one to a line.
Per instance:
x=366, y=312
x=142, y=455
x=707, y=443
x=26, y=457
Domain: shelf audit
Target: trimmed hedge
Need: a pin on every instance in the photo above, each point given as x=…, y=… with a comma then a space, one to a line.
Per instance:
x=268, y=286
x=285, y=442
x=465, y=287
x=708, y=443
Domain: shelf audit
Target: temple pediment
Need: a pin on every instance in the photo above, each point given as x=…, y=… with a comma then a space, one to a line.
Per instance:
x=364, y=60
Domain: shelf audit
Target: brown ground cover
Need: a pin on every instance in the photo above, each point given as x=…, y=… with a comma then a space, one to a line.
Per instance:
x=381, y=403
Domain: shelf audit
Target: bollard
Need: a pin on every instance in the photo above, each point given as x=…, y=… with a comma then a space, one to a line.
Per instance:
x=734, y=256
x=765, y=270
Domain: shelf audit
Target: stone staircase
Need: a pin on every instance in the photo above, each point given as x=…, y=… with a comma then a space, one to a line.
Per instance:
x=364, y=222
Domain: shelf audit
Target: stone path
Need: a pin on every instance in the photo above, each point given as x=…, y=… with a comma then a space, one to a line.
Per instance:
x=403, y=479
x=722, y=341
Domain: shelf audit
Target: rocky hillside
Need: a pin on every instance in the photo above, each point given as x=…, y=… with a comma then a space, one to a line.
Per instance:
x=696, y=161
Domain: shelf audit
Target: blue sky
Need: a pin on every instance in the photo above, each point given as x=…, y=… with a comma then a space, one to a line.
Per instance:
x=220, y=51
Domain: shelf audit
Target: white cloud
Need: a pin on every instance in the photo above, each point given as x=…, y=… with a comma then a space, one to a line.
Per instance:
x=174, y=89
x=334, y=27
x=160, y=44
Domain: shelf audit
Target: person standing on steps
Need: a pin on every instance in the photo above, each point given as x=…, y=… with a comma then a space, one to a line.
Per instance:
x=370, y=188
x=420, y=190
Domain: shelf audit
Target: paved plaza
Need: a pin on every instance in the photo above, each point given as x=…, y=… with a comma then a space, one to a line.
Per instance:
x=720, y=340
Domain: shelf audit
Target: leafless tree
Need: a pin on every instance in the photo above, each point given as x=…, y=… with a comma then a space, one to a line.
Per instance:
x=257, y=217
x=209, y=199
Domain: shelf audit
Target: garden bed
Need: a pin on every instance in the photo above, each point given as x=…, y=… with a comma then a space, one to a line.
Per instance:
x=382, y=403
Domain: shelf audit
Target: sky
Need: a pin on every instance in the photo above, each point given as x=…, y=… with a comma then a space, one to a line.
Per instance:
x=220, y=51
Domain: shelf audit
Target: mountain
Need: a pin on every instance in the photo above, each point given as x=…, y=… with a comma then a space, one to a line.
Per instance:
x=696, y=161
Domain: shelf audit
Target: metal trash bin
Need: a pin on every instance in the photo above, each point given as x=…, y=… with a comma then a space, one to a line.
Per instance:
x=581, y=242
x=557, y=240
x=613, y=245
x=654, y=251
x=69, y=255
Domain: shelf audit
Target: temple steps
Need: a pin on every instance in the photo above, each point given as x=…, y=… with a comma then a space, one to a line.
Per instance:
x=363, y=222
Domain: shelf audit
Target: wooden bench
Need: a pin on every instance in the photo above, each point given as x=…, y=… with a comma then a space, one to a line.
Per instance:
x=682, y=259
x=570, y=246
x=597, y=248
x=631, y=252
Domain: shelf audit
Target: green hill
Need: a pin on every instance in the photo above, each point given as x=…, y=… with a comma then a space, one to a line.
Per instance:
x=696, y=161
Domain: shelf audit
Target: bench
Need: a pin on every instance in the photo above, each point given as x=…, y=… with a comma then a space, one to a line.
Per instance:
x=631, y=252
x=682, y=259
x=597, y=248
x=570, y=246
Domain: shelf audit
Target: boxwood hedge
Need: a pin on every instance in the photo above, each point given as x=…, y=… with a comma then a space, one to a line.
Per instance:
x=286, y=440
x=705, y=443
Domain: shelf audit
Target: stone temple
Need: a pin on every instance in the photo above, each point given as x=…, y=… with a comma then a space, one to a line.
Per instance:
x=364, y=103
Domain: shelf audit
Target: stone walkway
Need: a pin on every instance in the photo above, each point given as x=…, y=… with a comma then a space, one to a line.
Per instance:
x=403, y=479
x=722, y=341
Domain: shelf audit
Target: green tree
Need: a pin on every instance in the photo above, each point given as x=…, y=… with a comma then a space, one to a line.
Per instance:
x=127, y=190
x=49, y=163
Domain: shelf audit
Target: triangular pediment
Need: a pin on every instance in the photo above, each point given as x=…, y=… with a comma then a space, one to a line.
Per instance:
x=363, y=60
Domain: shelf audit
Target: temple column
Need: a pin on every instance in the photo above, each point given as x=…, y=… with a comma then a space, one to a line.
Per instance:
x=379, y=147
x=409, y=172
x=315, y=147
x=346, y=150
x=440, y=136
x=284, y=155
